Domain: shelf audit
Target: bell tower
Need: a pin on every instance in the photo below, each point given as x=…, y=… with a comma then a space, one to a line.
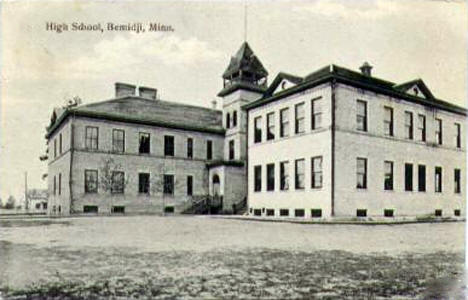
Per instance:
x=244, y=80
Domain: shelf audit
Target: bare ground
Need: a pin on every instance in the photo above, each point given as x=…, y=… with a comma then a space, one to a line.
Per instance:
x=190, y=257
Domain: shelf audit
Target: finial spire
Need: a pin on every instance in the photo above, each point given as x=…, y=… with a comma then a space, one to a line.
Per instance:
x=245, y=21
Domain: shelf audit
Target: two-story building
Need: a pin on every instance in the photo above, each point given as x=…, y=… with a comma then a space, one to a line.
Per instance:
x=343, y=143
x=137, y=153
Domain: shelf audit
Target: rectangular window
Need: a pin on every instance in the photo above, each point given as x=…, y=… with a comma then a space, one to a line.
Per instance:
x=55, y=185
x=299, y=167
x=60, y=144
x=316, y=165
x=143, y=183
x=388, y=121
x=270, y=177
x=408, y=125
x=361, y=115
x=91, y=181
x=231, y=149
x=422, y=128
x=284, y=212
x=118, y=182
x=316, y=113
x=457, y=135
x=258, y=178
x=209, y=149
x=258, y=129
x=91, y=138
x=55, y=148
x=438, y=212
x=361, y=173
x=270, y=212
x=189, y=185
x=284, y=175
x=438, y=132
x=408, y=177
x=118, y=140
x=168, y=188
x=438, y=179
x=284, y=122
x=457, y=182
x=234, y=118
x=144, y=143
x=388, y=213
x=189, y=148
x=270, y=126
x=388, y=180
x=456, y=212
x=300, y=118
x=421, y=178
x=60, y=184
x=168, y=145
x=257, y=212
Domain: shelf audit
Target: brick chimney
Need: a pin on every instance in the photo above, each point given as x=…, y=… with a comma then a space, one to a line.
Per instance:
x=366, y=69
x=147, y=93
x=124, y=89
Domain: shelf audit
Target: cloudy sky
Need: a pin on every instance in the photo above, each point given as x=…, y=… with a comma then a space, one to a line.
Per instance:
x=40, y=69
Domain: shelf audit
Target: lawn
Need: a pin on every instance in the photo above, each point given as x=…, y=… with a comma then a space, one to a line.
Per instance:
x=207, y=257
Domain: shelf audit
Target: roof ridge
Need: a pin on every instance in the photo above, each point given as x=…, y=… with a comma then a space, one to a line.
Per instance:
x=133, y=97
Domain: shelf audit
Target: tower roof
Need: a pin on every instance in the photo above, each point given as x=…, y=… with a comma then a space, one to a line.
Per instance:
x=245, y=60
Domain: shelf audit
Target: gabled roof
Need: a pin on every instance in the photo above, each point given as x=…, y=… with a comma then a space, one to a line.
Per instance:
x=359, y=80
x=404, y=87
x=245, y=60
x=138, y=110
x=279, y=78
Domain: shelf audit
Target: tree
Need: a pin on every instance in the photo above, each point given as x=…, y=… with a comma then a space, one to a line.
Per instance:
x=112, y=178
x=1, y=203
x=10, y=202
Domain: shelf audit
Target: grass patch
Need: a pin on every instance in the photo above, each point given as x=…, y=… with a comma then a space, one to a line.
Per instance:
x=253, y=273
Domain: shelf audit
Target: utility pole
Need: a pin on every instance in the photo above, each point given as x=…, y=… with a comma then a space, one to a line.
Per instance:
x=26, y=202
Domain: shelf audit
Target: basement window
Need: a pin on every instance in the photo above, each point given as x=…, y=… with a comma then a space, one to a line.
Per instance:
x=316, y=213
x=284, y=212
x=257, y=212
x=457, y=212
x=361, y=213
x=438, y=213
x=270, y=212
x=118, y=209
x=388, y=213
x=299, y=213
x=169, y=209
x=90, y=209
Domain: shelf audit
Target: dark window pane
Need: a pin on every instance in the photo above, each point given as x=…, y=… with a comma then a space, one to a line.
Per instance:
x=143, y=183
x=258, y=178
x=168, y=145
x=168, y=188
x=421, y=178
x=270, y=177
x=144, y=146
x=408, y=177
x=209, y=150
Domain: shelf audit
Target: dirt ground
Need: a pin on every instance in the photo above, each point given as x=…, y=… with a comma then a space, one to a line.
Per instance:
x=213, y=258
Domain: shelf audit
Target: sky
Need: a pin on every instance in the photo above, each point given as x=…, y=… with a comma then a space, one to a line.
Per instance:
x=40, y=69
